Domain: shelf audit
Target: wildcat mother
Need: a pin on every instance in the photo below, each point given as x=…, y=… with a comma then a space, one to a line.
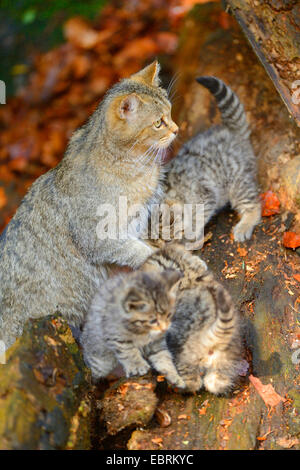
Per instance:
x=51, y=258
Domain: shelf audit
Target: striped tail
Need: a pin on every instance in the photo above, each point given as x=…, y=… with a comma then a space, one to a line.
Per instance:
x=232, y=110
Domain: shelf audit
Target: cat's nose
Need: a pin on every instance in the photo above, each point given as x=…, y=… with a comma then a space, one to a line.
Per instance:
x=175, y=130
x=163, y=326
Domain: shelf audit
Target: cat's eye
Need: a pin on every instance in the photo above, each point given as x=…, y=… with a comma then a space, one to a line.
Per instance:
x=158, y=123
x=153, y=322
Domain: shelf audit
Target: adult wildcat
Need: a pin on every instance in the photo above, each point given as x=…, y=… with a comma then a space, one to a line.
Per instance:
x=51, y=256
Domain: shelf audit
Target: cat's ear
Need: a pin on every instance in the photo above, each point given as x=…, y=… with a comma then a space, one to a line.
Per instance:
x=148, y=75
x=134, y=302
x=129, y=106
x=171, y=277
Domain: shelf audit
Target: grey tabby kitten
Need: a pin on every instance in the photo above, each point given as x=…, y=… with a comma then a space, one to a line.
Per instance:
x=127, y=322
x=218, y=166
x=51, y=255
x=205, y=334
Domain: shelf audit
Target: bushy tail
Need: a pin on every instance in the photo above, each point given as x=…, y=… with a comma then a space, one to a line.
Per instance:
x=232, y=110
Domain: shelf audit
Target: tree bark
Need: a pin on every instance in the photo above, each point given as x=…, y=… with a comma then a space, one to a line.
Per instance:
x=44, y=390
x=273, y=29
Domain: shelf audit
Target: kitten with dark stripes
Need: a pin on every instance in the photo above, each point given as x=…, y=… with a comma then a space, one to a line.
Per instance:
x=127, y=322
x=205, y=333
x=218, y=166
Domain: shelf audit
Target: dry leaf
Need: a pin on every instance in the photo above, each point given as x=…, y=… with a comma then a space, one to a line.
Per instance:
x=297, y=277
x=226, y=422
x=160, y=378
x=163, y=418
x=270, y=204
x=291, y=240
x=3, y=198
x=267, y=392
x=204, y=406
x=242, y=251
x=157, y=440
x=287, y=443
x=78, y=32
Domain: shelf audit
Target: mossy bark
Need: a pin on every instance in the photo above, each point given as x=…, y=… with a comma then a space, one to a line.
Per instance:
x=44, y=387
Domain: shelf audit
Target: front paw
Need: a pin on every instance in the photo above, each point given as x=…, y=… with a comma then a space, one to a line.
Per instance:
x=193, y=384
x=242, y=232
x=137, y=369
x=141, y=253
x=178, y=383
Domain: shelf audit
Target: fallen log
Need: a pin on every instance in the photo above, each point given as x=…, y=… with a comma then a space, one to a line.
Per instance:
x=44, y=390
x=273, y=30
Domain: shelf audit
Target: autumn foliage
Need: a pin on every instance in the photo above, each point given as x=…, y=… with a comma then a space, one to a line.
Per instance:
x=291, y=240
x=270, y=204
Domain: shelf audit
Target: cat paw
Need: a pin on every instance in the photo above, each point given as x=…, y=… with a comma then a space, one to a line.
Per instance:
x=179, y=383
x=193, y=385
x=242, y=232
x=140, y=255
x=217, y=384
x=137, y=369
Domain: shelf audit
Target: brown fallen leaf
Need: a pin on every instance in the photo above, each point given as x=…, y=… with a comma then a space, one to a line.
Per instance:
x=291, y=240
x=157, y=440
x=163, y=418
x=202, y=410
x=78, y=32
x=270, y=204
x=297, y=277
x=160, y=378
x=3, y=198
x=226, y=422
x=267, y=392
x=242, y=251
x=182, y=417
x=287, y=443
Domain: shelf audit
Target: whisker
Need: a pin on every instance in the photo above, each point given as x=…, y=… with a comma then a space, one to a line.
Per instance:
x=173, y=81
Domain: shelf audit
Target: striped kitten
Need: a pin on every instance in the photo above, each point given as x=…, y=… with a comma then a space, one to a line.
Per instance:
x=127, y=322
x=218, y=166
x=205, y=336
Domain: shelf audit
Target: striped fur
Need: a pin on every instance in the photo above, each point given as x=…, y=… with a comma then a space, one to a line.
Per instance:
x=51, y=254
x=218, y=166
x=127, y=322
x=205, y=334
x=232, y=110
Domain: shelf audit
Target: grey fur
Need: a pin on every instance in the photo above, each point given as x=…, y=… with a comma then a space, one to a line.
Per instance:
x=118, y=329
x=205, y=333
x=51, y=258
x=218, y=166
